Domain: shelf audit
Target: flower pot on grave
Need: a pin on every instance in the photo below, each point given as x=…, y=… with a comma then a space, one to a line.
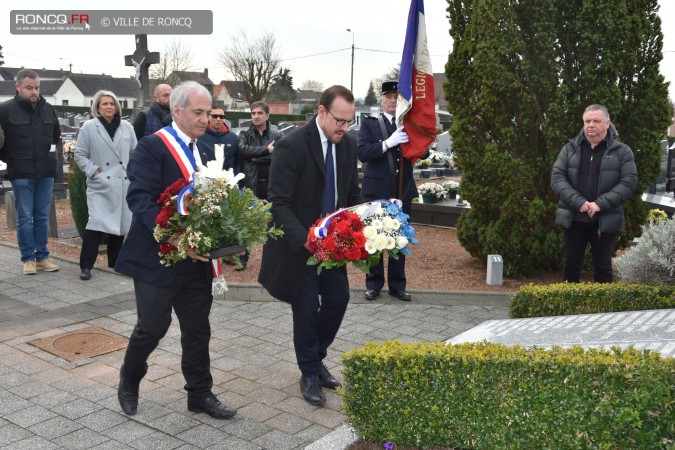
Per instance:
x=452, y=194
x=429, y=198
x=439, y=172
x=426, y=173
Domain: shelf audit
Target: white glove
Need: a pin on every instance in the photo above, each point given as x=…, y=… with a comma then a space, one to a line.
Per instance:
x=398, y=137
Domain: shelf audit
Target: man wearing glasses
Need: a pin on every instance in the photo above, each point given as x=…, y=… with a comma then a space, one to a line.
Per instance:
x=299, y=191
x=378, y=146
x=219, y=141
x=256, y=145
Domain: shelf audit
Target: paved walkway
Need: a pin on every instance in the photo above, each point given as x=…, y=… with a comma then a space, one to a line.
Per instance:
x=48, y=402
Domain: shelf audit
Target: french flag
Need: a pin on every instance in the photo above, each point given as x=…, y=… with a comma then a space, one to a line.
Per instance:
x=416, y=107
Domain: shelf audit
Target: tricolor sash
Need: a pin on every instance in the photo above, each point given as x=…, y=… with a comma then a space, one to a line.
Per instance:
x=180, y=152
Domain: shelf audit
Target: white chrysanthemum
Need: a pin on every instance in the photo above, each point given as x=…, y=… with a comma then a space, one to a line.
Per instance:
x=388, y=223
x=369, y=232
x=381, y=241
x=396, y=224
x=377, y=224
x=401, y=242
x=391, y=242
x=370, y=247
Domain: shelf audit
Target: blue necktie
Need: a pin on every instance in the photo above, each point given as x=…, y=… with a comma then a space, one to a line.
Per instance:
x=329, y=187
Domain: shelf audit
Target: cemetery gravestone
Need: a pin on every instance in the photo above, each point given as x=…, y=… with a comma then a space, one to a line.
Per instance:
x=651, y=329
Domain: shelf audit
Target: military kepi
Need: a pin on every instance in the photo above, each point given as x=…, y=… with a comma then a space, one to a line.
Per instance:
x=389, y=86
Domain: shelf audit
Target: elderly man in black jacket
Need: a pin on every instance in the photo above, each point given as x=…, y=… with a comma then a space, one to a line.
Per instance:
x=594, y=176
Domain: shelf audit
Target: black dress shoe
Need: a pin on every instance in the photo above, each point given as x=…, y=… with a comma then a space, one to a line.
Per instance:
x=311, y=390
x=372, y=294
x=127, y=393
x=401, y=295
x=85, y=274
x=210, y=405
x=327, y=380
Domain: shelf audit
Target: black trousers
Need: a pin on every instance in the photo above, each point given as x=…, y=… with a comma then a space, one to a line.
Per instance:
x=189, y=295
x=577, y=238
x=317, y=321
x=90, y=242
x=396, y=279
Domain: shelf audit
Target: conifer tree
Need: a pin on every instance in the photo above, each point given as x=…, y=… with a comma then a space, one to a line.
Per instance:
x=520, y=75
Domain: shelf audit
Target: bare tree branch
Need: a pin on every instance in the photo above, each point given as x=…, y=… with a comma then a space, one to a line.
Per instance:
x=312, y=85
x=176, y=57
x=253, y=63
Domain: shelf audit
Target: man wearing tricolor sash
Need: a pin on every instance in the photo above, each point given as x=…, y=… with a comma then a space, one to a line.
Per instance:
x=161, y=159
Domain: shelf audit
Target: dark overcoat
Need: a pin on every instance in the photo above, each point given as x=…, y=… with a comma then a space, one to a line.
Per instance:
x=151, y=170
x=380, y=178
x=296, y=182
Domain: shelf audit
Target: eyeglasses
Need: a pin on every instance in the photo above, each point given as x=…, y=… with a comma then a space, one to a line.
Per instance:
x=218, y=116
x=341, y=122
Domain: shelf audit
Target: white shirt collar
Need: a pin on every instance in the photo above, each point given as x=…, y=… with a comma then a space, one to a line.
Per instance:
x=323, y=137
x=183, y=137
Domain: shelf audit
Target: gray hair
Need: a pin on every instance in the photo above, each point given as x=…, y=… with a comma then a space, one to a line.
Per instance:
x=26, y=73
x=262, y=105
x=97, y=102
x=181, y=94
x=598, y=108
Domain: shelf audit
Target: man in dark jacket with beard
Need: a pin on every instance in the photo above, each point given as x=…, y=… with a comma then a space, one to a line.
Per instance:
x=32, y=131
x=157, y=115
x=593, y=177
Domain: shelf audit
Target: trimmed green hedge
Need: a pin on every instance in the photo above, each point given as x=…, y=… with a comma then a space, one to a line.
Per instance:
x=77, y=189
x=586, y=298
x=487, y=396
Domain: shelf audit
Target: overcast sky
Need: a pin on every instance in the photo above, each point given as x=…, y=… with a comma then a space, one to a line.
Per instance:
x=303, y=29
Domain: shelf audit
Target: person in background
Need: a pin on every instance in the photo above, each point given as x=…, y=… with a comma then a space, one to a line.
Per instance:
x=378, y=145
x=593, y=177
x=256, y=145
x=102, y=153
x=313, y=173
x=220, y=141
x=157, y=115
x=32, y=131
x=184, y=288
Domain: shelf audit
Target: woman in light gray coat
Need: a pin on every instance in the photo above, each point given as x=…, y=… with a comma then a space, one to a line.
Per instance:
x=102, y=152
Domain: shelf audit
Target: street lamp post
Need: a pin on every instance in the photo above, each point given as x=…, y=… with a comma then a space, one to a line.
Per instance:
x=352, y=82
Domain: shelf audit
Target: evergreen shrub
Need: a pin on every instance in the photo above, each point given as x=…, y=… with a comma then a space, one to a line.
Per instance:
x=77, y=188
x=489, y=396
x=586, y=298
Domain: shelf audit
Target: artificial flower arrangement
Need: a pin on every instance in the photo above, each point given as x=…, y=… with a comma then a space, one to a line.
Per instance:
x=360, y=235
x=433, y=189
x=69, y=150
x=451, y=187
x=209, y=214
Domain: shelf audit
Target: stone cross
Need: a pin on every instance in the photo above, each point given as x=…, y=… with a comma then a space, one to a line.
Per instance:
x=141, y=60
